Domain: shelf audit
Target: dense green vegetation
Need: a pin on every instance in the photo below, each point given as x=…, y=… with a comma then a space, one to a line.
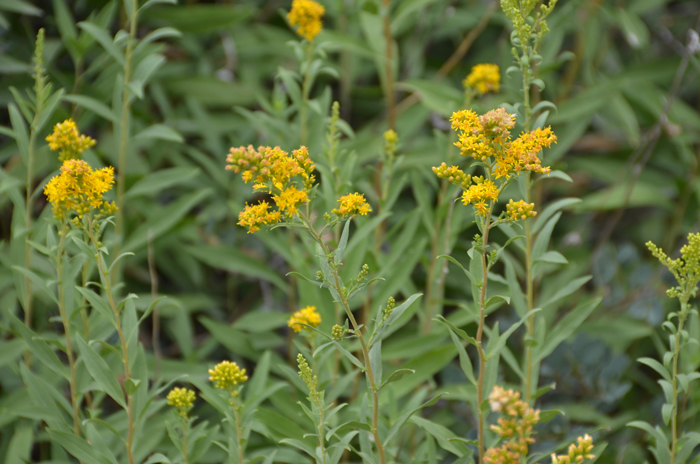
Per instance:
x=574, y=327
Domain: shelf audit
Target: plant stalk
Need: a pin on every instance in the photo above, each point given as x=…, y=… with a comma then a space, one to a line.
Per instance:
x=237, y=421
x=305, y=91
x=124, y=135
x=363, y=344
x=66, y=329
x=125, y=352
x=480, y=333
x=674, y=381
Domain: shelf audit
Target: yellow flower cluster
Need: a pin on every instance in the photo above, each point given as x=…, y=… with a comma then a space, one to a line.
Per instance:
x=479, y=194
x=66, y=140
x=351, y=205
x=516, y=427
x=578, y=453
x=483, y=78
x=272, y=170
x=227, y=375
x=289, y=200
x=307, y=316
x=522, y=153
x=488, y=136
x=520, y=210
x=181, y=398
x=80, y=189
x=307, y=15
x=453, y=174
x=685, y=269
x=258, y=215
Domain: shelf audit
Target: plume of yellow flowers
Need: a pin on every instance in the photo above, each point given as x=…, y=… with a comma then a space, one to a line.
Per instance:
x=515, y=428
x=307, y=316
x=66, y=140
x=80, y=189
x=483, y=78
x=578, y=453
x=307, y=15
x=351, y=205
x=487, y=139
x=227, y=375
x=288, y=177
x=182, y=399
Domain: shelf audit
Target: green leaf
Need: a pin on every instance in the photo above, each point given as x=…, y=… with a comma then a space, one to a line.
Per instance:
x=546, y=416
x=342, y=244
x=473, y=280
x=553, y=257
x=657, y=366
x=456, y=330
x=496, y=346
x=436, y=96
x=78, y=447
x=20, y=129
x=550, y=210
x=38, y=282
x=444, y=436
x=566, y=327
x=407, y=415
x=93, y=105
x=143, y=72
x=103, y=38
x=99, y=371
x=375, y=361
x=158, y=181
x=99, y=304
x=464, y=360
x=157, y=458
x=21, y=7
x=20, y=444
x=233, y=260
x=39, y=348
x=160, y=132
x=131, y=385
x=397, y=375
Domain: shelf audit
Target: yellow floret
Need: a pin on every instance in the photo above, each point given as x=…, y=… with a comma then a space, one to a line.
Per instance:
x=483, y=78
x=181, y=398
x=227, y=375
x=79, y=189
x=307, y=316
x=67, y=140
x=307, y=15
x=352, y=204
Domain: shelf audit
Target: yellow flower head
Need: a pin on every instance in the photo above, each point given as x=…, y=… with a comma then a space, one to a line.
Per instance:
x=307, y=316
x=352, y=204
x=307, y=15
x=484, y=78
x=181, y=398
x=80, y=189
x=227, y=375
x=258, y=215
x=275, y=171
x=67, y=140
x=479, y=194
x=289, y=199
x=522, y=153
x=520, y=210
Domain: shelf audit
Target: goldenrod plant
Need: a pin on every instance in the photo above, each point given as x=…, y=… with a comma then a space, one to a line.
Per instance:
x=675, y=382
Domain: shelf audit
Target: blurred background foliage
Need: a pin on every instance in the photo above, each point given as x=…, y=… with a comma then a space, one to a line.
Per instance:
x=624, y=79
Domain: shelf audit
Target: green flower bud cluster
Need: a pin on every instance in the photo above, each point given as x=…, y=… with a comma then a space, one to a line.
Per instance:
x=307, y=375
x=338, y=332
x=685, y=269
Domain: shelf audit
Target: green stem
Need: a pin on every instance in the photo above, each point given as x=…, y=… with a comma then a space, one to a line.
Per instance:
x=388, y=65
x=237, y=421
x=674, y=381
x=125, y=352
x=66, y=329
x=305, y=91
x=184, y=440
x=356, y=330
x=321, y=443
x=124, y=135
x=480, y=332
